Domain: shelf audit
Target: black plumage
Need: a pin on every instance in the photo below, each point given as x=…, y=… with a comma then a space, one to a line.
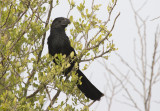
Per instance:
x=58, y=42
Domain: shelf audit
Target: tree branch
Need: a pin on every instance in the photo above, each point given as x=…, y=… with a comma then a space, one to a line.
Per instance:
x=40, y=53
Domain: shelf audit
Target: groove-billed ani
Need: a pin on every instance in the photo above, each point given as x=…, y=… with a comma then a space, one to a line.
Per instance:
x=58, y=42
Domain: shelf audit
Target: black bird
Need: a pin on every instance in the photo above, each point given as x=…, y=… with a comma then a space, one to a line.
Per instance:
x=58, y=42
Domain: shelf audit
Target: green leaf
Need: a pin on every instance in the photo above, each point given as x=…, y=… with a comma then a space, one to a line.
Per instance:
x=44, y=8
x=72, y=3
x=72, y=54
x=71, y=18
x=110, y=35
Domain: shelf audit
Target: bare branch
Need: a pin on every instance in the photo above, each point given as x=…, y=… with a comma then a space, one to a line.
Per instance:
x=148, y=100
x=54, y=99
x=105, y=23
x=155, y=18
x=126, y=90
x=33, y=94
x=97, y=56
x=89, y=48
x=91, y=103
x=40, y=53
x=7, y=16
x=130, y=67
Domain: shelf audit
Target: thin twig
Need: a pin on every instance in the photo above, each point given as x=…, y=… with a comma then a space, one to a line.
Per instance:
x=7, y=16
x=92, y=47
x=40, y=53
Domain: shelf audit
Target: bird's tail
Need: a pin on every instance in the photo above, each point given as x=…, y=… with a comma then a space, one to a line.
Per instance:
x=88, y=88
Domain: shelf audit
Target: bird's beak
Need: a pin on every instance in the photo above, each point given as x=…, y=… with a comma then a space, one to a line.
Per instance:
x=66, y=21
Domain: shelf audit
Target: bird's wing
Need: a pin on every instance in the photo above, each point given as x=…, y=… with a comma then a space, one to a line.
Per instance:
x=67, y=48
x=53, y=46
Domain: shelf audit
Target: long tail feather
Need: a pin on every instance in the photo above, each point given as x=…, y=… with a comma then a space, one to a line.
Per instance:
x=88, y=88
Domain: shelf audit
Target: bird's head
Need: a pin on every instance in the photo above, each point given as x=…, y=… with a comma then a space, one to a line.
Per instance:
x=60, y=23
